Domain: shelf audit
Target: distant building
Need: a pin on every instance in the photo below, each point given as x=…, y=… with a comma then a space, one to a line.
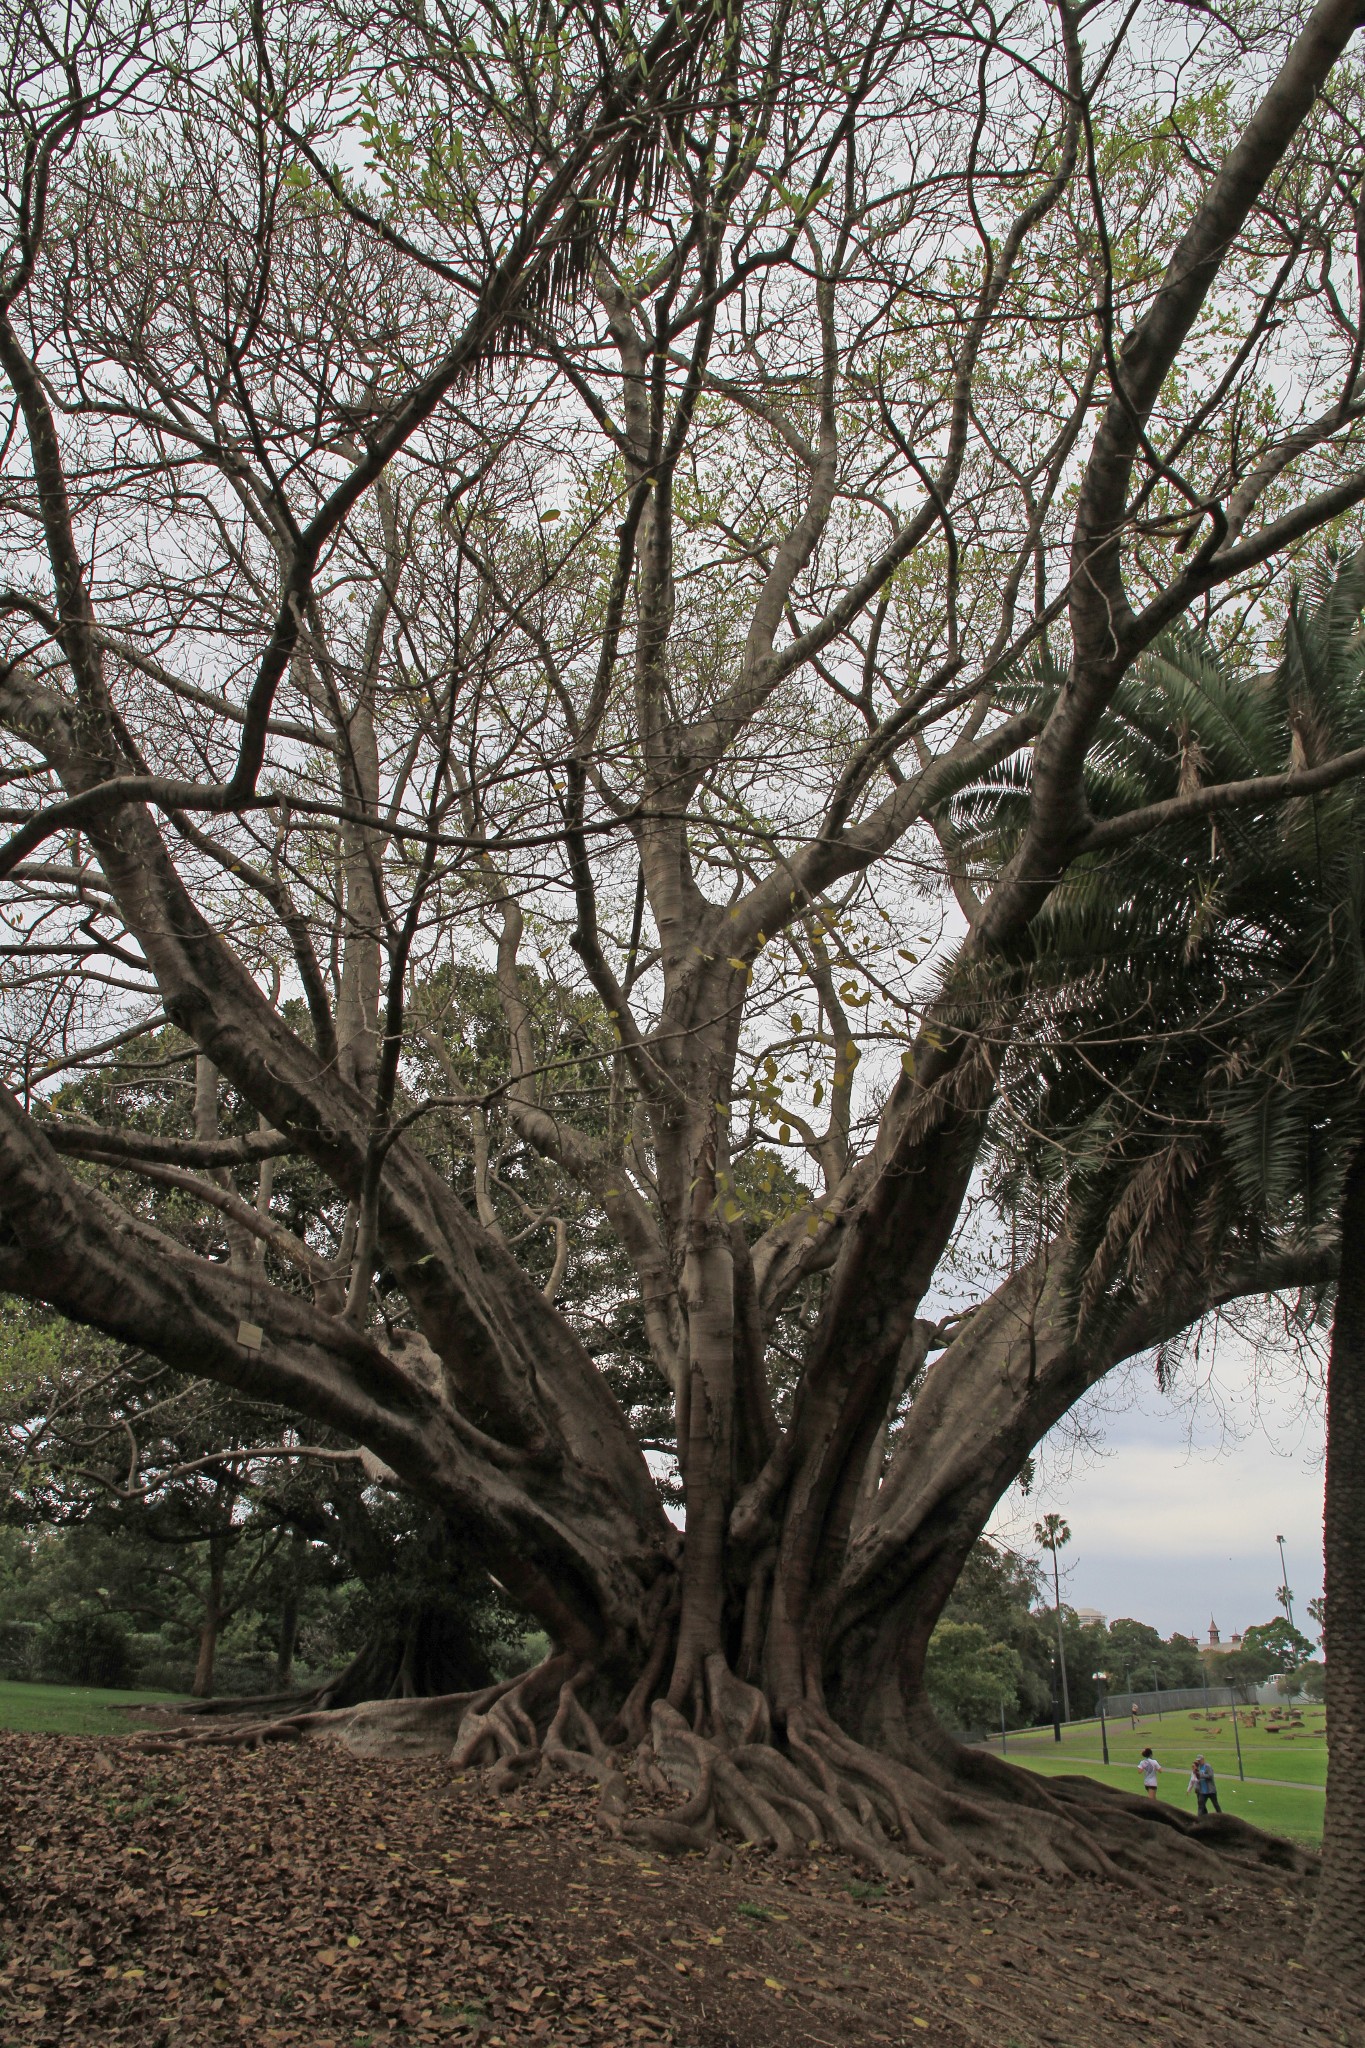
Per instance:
x=1215, y=1646
x=1089, y=1617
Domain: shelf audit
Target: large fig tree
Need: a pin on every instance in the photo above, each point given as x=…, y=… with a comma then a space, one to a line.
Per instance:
x=571, y=497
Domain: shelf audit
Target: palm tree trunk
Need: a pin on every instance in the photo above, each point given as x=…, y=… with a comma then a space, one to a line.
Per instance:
x=1335, y=1944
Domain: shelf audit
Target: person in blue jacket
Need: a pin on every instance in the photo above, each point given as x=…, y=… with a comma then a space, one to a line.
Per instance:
x=1203, y=1786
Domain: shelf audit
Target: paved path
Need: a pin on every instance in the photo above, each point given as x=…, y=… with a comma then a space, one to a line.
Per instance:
x=1072, y=1756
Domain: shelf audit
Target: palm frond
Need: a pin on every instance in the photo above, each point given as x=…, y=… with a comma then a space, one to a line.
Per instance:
x=1191, y=1009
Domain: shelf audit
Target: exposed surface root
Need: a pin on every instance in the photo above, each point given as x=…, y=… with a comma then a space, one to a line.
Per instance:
x=505, y=1735
x=222, y=1706
x=426, y=1727
x=955, y=1814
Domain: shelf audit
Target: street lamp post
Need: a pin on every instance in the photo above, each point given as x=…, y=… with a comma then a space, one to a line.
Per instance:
x=1056, y=1703
x=1285, y=1593
x=1156, y=1681
x=1100, y=1678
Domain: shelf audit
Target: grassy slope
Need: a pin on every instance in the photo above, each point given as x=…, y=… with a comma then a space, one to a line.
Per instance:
x=1294, y=1810
x=68, y=1709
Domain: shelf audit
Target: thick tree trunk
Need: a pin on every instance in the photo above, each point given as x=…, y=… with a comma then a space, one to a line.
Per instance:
x=202, y=1687
x=1337, y=1941
x=287, y=1642
x=707, y=1456
x=845, y=1388
x=291, y=1610
x=424, y=1654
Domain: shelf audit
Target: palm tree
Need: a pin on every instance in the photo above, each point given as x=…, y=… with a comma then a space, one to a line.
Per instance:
x=1202, y=1005
x=1050, y=1534
x=1334, y=1939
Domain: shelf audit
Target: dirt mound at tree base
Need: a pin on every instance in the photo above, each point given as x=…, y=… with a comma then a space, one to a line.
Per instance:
x=305, y=1898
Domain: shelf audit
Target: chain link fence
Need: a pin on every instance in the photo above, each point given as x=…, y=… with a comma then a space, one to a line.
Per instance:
x=1179, y=1698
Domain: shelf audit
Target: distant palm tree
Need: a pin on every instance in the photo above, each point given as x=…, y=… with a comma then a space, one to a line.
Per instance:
x=1050, y=1534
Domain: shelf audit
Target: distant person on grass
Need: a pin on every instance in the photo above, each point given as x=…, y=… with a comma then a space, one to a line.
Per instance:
x=1203, y=1786
x=1133, y=1714
x=1150, y=1770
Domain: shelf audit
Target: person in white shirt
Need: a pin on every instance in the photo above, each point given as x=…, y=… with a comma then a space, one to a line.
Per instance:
x=1150, y=1770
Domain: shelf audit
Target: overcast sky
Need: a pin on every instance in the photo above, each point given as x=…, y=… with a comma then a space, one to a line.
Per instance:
x=1175, y=1510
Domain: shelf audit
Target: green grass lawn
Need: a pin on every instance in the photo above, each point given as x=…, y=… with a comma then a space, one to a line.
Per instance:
x=1176, y=1739
x=1300, y=1754
x=69, y=1709
x=1292, y=1810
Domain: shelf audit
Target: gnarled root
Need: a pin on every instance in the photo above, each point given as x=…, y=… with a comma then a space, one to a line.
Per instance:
x=417, y=1727
x=737, y=1781
x=573, y=1743
x=925, y=1823
x=951, y=1813
x=506, y=1735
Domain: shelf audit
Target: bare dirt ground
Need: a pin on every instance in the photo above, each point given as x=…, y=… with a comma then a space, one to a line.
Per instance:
x=302, y=1898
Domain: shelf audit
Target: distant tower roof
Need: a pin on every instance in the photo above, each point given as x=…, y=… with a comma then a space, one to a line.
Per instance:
x=1213, y=1630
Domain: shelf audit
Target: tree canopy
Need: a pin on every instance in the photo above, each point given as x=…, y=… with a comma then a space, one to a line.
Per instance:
x=562, y=508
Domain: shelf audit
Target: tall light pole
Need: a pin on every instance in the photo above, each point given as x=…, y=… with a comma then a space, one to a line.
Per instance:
x=1287, y=1598
x=1050, y=1534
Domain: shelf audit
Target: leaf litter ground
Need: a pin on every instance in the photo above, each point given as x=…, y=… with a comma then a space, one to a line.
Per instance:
x=305, y=1898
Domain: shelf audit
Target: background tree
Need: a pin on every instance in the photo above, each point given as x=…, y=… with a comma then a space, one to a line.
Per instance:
x=1268, y=1648
x=828, y=366
x=158, y=1504
x=1142, y=1659
x=1050, y=1534
x=177, y=1469
x=971, y=1680
x=998, y=1592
